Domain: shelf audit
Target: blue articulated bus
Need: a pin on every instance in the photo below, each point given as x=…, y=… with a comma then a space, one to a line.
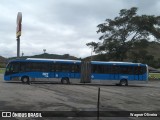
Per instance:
x=70, y=71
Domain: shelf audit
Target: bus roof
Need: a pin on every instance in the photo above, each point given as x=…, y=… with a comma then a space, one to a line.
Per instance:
x=78, y=61
x=117, y=63
x=52, y=59
x=45, y=60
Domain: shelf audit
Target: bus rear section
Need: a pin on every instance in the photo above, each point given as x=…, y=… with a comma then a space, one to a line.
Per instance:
x=119, y=73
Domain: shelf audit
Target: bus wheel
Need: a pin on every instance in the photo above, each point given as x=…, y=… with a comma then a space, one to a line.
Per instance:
x=65, y=81
x=123, y=82
x=25, y=80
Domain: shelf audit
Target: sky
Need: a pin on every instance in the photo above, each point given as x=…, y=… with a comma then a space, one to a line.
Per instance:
x=60, y=26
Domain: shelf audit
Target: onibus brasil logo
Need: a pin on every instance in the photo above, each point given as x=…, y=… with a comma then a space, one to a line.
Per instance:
x=16, y=114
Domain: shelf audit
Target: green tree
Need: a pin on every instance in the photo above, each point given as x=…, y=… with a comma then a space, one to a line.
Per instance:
x=120, y=34
x=138, y=52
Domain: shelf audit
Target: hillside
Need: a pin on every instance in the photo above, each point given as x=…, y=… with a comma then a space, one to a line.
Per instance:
x=49, y=56
x=154, y=49
x=3, y=62
x=2, y=59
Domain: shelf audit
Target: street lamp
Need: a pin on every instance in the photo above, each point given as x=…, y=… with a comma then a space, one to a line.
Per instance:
x=22, y=54
x=44, y=50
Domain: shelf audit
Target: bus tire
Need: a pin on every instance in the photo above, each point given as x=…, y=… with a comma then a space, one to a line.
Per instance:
x=65, y=81
x=25, y=79
x=123, y=82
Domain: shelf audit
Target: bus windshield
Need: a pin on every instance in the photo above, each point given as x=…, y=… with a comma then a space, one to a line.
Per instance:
x=12, y=68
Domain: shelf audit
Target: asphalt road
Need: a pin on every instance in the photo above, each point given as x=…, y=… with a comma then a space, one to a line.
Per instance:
x=58, y=97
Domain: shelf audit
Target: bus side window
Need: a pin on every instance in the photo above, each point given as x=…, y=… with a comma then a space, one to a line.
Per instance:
x=114, y=69
x=98, y=69
x=22, y=67
x=36, y=67
x=138, y=70
x=28, y=66
x=72, y=68
x=93, y=68
x=130, y=70
x=126, y=69
x=57, y=67
x=123, y=69
x=106, y=69
x=77, y=68
x=65, y=67
x=101, y=68
x=44, y=67
x=52, y=67
x=142, y=70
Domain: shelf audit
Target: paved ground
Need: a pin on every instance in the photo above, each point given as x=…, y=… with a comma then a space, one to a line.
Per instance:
x=58, y=97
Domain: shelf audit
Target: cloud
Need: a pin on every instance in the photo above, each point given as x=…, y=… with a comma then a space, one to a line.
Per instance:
x=60, y=26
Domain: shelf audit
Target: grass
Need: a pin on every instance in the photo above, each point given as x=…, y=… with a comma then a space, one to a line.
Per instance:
x=154, y=76
x=2, y=70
